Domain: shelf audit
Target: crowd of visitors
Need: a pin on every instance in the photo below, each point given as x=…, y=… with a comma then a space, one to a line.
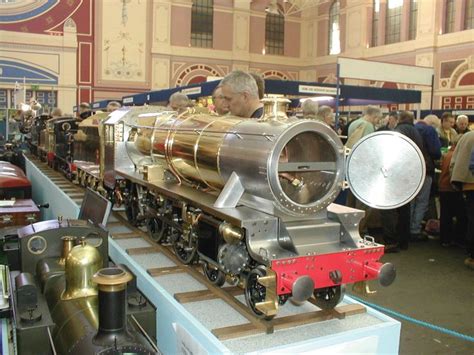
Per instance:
x=447, y=145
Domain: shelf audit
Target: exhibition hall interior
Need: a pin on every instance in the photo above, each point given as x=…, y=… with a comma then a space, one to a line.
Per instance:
x=236, y=177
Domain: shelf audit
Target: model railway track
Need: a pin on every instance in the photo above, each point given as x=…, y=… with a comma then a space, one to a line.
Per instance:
x=229, y=294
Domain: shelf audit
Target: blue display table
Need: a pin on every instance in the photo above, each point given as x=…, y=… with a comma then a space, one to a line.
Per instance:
x=45, y=191
x=187, y=327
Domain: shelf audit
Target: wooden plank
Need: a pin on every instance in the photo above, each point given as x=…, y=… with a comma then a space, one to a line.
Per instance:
x=195, y=296
x=143, y=250
x=350, y=310
x=159, y=271
x=117, y=236
x=237, y=331
x=305, y=318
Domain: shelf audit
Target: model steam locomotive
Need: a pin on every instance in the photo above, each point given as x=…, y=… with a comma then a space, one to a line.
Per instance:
x=251, y=200
x=66, y=300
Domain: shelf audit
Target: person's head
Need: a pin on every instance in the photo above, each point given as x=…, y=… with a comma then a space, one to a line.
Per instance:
x=84, y=107
x=447, y=121
x=260, y=84
x=462, y=121
x=392, y=119
x=57, y=112
x=326, y=115
x=112, y=106
x=221, y=105
x=241, y=93
x=372, y=114
x=432, y=120
x=406, y=117
x=310, y=108
x=178, y=102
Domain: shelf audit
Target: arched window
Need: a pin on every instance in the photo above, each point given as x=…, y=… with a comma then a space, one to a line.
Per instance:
x=469, y=15
x=274, y=34
x=413, y=20
x=449, y=19
x=393, y=21
x=202, y=23
x=375, y=23
x=334, y=32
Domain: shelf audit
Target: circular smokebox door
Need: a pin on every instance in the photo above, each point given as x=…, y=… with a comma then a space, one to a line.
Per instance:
x=385, y=170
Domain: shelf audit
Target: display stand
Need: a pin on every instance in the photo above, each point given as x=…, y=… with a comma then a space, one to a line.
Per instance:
x=44, y=190
x=187, y=328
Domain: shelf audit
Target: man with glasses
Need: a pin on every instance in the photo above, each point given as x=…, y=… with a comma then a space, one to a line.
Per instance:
x=221, y=106
x=241, y=93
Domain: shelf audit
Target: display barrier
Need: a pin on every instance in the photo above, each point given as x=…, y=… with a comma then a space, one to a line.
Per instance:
x=45, y=191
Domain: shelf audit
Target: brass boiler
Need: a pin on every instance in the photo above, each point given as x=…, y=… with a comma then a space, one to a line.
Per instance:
x=296, y=164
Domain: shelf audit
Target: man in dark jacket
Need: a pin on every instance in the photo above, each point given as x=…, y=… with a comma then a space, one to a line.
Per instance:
x=405, y=216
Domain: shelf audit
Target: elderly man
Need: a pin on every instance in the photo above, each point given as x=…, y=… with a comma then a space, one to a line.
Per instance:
x=241, y=93
x=364, y=125
x=358, y=129
x=178, y=102
x=220, y=104
x=462, y=123
x=310, y=109
x=326, y=115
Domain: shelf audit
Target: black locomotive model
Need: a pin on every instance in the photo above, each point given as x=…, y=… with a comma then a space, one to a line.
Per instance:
x=67, y=300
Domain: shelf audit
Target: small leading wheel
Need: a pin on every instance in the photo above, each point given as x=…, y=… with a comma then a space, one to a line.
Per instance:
x=329, y=297
x=213, y=274
x=185, y=247
x=156, y=229
x=254, y=292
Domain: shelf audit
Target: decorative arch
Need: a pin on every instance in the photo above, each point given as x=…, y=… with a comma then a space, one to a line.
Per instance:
x=457, y=74
x=15, y=71
x=275, y=74
x=467, y=79
x=196, y=73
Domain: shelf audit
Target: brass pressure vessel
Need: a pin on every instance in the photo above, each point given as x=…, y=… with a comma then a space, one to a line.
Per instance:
x=82, y=263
